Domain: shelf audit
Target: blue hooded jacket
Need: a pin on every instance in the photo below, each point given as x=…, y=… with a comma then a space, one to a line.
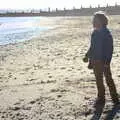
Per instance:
x=101, y=47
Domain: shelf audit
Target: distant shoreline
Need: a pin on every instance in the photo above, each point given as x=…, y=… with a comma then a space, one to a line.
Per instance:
x=72, y=15
x=110, y=10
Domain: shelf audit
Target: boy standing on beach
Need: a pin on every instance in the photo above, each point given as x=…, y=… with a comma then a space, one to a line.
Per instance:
x=100, y=55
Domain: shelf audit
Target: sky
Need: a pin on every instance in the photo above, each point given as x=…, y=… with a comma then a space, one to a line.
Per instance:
x=43, y=4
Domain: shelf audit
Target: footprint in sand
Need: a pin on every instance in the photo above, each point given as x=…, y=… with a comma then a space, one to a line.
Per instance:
x=54, y=90
x=63, y=90
x=50, y=76
x=15, y=108
x=32, y=102
x=86, y=98
x=9, y=75
x=79, y=69
x=27, y=69
x=63, y=68
x=59, y=96
x=68, y=81
x=37, y=100
x=59, y=90
x=42, y=82
x=51, y=81
x=32, y=79
x=17, y=103
x=18, y=106
x=118, y=75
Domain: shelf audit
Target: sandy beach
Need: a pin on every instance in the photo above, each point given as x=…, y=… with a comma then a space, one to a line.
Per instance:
x=46, y=79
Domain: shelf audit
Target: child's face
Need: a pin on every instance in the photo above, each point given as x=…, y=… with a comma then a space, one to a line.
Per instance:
x=96, y=23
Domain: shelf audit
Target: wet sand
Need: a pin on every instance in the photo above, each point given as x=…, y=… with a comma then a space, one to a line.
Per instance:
x=46, y=79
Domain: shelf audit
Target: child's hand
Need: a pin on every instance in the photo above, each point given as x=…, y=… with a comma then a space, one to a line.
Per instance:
x=85, y=59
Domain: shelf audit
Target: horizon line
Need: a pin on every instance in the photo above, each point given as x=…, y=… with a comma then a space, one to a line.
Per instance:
x=69, y=8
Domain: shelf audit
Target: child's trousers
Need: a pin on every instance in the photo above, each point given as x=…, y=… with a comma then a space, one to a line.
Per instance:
x=100, y=70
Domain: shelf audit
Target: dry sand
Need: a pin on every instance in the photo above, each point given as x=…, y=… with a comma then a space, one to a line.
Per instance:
x=46, y=79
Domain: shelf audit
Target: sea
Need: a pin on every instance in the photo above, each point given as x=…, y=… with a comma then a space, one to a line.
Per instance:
x=18, y=29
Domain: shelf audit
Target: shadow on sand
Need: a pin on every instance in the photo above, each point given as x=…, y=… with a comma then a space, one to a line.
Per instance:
x=98, y=112
x=110, y=115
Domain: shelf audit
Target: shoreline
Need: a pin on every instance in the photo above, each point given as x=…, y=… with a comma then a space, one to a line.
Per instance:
x=45, y=24
x=27, y=40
